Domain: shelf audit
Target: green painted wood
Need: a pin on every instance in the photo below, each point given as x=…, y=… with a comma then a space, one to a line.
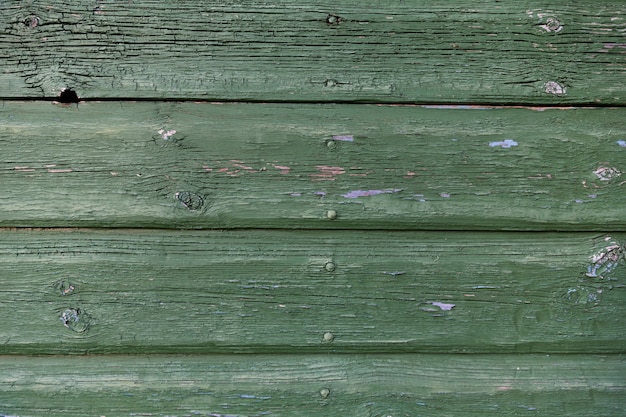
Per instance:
x=131, y=291
x=297, y=385
x=358, y=50
x=201, y=165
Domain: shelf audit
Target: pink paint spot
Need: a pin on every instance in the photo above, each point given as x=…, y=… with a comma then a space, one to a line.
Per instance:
x=247, y=168
x=615, y=45
x=444, y=195
x=296, y=194
x=443, y=306
x=320, y=193
x=344, y=138
x=283, y=169
x=327, y=172
x=368, y=193
x=410, y=174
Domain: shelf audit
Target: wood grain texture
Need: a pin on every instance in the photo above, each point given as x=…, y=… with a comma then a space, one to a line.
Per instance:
x=359, y=50
x=97, y=291
x=201, y=165
x=297, y=385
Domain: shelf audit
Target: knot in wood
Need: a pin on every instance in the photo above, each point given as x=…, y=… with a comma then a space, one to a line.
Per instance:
x=552, y=24
x=552, y=87
x=31, y=22
x=189, y=200
x=64, y=287
x=333, y=19
x=76, y=320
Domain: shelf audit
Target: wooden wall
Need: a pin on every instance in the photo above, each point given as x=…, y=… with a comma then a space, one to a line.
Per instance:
x=286, y=208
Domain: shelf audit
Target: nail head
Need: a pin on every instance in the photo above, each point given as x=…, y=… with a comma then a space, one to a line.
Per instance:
x=329, y=337
x=331, y=214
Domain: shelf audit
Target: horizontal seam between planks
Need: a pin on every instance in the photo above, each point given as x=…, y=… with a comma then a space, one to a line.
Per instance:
x=443, y=104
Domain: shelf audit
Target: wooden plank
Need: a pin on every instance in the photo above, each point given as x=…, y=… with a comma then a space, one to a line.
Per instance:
x=201, y=165
x=133, y=291
x=302, y=385
x=359, y=50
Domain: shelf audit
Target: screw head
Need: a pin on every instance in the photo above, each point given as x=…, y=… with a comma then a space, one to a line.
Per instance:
x=324, y=392
x=331, y=214
x=328, y=337
x=330, y=266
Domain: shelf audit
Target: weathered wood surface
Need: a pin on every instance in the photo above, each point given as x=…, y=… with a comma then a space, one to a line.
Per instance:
x=297, y=385
x=123, y=291
x=358, y=50
x=202, y=165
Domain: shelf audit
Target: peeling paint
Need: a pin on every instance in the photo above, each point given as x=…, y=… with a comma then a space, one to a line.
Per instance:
x=368, y=193
x=394, y=273
x=507, y=143
x=344, y=138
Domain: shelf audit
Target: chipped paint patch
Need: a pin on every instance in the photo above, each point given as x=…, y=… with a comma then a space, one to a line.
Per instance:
x=607, y=173
x=507, y=143
x=166, y=134
x=369, y=193
x=443, y=306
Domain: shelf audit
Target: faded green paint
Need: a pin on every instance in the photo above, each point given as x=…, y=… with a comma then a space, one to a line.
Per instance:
x=321, y=301
x=255, y=291
x=357, y=50
x=305, y=385
x=277, y=166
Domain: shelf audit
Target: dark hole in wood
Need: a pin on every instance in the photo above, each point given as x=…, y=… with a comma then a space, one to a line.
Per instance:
x=68, y=96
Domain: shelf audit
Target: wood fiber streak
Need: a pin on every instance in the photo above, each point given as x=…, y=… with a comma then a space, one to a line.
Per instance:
x=272, y=291
x=202, y=165
x=288, y=385
x=365, y=50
